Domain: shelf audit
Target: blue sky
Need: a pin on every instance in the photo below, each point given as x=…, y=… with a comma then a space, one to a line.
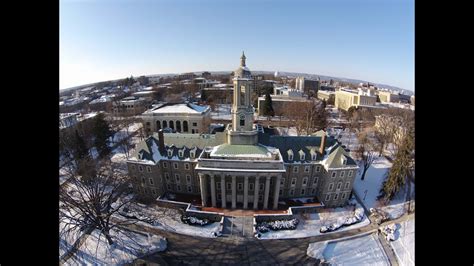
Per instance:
x=362, y=39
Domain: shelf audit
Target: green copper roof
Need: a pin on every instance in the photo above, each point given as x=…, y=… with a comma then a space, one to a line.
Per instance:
x=244, y=150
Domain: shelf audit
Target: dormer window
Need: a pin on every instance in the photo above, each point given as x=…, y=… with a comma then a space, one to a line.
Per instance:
x=192, y=154
x=290, y=155
x=344, y=160
x=302, y=156
x=313, y=156
x=181, y=153
x=170, y=153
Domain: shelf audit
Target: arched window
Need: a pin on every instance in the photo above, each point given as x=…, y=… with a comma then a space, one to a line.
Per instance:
x=178, y=126
x=185, y=126
x=172, y=125
x=158, y=125
x=165, y=124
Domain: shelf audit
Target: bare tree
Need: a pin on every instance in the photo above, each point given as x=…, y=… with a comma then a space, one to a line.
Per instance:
x=87, y=201
x=365, y=153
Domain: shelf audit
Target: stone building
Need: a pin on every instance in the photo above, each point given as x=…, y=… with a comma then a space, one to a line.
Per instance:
x=346, y=98
x=245, y=166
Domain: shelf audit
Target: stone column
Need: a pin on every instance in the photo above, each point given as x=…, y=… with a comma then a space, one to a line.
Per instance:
x=267, y=192
x=213, y=191
x=202, y=181
x=223, y=190
x=234, y=192
x=255, y=197
x=246, y=192
x=276, y=194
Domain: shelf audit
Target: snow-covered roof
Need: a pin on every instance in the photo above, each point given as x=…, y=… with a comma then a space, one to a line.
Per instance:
x=187, y=108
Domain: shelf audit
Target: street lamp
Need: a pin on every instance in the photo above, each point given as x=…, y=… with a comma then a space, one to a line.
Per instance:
x=365, y=194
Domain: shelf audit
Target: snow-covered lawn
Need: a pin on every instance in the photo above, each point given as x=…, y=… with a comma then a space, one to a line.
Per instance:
x=364, y=250
x=404, y=245
x=128, y=246
x=222, y=112
x=122, y=133
x=170, y=220
x=373, y=182
x=310, y=224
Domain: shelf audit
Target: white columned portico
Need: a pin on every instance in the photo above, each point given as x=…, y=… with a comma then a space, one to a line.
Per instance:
x=267, y=192
x=255, y=197
x=223, y=191
x=234, y=192
x=246, y=192
x=276, y=194
x=213, y=191
x=202, y=181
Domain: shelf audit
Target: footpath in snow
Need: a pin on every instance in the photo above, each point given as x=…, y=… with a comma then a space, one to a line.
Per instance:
x=362, y=250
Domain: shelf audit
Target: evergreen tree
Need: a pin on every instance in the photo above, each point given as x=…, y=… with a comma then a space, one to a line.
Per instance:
x=403, y=165
x=101, y=132
x=79, y=148
x=268, y=105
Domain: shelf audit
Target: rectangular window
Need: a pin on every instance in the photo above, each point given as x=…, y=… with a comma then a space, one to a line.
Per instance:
x=331, y=186
x=153, y=191
x=140, y=168
x=167, y=177
x=282, y=181
x=346, y=186
x=318, y=169
x=261, y=187
x=175, y=165
x=315, y=181
x=292, y=192
x=306, y=168
x=151, y=181
x=313, y=191
x=168, y=186
x=305, y=181
x=336, y=196
x=302, y=191
x=165, y=165
x=251, y=186
x=295, y=169
x=133, y=167
x=195, y=124
x=229, y=186
x=190, y=189
x=281, y=192
x=181, y=153
x=339, y=185
x=148, y=169
x=242, y=122
x=333, y=174
x=219, y=196
x=344, y=195
x=293, y=182
x=218, y=184
x=178, y=187
x=328, y=196
x=349, y=174
x=240, y=186
x=188, y=179
x=342, y=174
x=186, y=166
x=176, y=177
x=260, y=197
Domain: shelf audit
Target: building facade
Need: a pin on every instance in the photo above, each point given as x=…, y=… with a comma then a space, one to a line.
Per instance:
x=180, y=118
x=244, y=166
x=345, y=99
x=306, y=85
x=129, y=106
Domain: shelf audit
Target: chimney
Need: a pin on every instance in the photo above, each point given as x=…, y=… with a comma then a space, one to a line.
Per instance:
x=323, y=143
x=161, y=141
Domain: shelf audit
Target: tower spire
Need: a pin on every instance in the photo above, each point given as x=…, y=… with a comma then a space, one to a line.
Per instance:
x=242, y=59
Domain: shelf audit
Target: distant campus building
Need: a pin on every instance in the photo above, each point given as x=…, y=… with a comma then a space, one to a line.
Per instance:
x=245, y=166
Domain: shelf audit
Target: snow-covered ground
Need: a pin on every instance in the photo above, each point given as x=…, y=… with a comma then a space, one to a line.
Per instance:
x=364, y=250
x=404, y=244
x=373, y=182
x=222, y=112
x=310, y=224
x=128, y=246
x=122, y=133
x=170, y=220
